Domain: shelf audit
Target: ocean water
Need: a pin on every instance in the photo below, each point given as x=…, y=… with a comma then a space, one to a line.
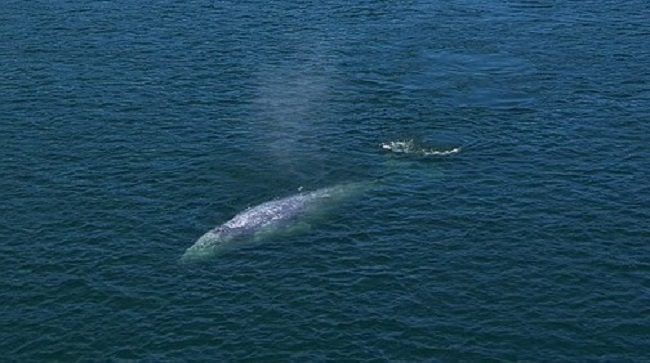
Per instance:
x=129, y=129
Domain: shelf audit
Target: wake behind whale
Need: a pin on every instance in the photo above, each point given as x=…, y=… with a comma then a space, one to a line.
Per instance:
x=271, y=219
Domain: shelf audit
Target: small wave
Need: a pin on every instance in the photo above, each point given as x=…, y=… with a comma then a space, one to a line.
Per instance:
x=410, y=147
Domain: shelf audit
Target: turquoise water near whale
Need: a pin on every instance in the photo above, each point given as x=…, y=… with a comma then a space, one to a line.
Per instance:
x=128, y=130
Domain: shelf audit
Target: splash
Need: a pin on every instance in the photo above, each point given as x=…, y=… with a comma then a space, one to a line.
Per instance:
x=410, y=147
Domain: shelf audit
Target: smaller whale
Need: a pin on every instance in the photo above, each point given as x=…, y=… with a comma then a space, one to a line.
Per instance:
x=270, y=219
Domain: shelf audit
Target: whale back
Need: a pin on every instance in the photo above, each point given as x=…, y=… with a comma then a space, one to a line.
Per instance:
x=269, y=219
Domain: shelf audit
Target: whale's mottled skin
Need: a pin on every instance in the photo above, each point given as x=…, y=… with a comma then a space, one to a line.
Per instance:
x=268, y=219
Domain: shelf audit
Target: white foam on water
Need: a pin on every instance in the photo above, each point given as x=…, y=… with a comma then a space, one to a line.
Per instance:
x=410, y=147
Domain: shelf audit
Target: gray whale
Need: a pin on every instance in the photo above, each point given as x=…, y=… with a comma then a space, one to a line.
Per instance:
x=270, y=219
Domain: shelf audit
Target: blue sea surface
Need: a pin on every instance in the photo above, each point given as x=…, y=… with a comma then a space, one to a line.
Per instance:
x=130, y=129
